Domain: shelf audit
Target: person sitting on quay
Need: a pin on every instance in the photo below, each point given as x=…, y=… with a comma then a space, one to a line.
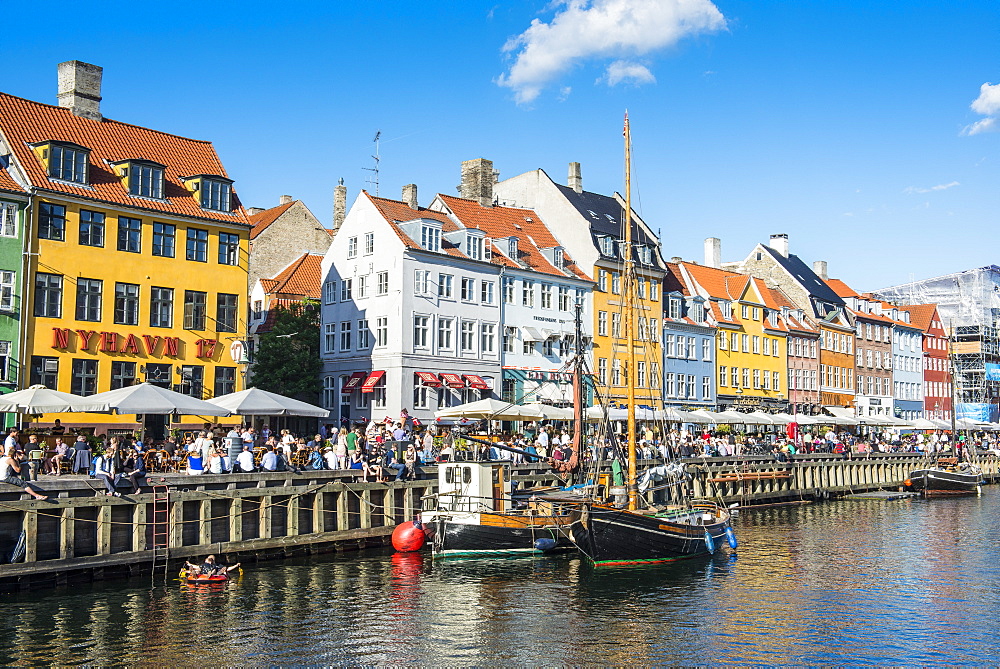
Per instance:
x=269, y=463
x=10, y=467
x=210, y=567
x=315, y=457
x=107, y=468
x=58, y=429
x=391, y=464
x=133, y=470
x=52, y=464
x=244, y=461
x=195, y=465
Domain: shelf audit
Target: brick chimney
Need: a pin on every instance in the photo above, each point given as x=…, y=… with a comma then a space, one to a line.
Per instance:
x=713, y=252
x=80, y=88
x=410, y=196
x=575, y=179
x=779, y=243
x=478, y=177
x=339, y=204
x=821, y=269
x=285, y=199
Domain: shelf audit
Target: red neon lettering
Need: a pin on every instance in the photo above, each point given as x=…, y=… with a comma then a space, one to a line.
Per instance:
x=60, y=337
x=152, y=343
x=85, y=337
x=170, y=345
x=206, y=347
x=131, y=345
x=109, y=342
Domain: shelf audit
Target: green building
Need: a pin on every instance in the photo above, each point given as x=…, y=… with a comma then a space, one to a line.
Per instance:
x=13, y=205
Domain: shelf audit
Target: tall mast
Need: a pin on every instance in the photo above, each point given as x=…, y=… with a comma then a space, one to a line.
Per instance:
x=578, y=424
x=954, y=384
x=628, y=299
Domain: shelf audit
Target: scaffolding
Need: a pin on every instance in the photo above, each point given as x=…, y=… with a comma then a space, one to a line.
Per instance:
x=969, y=305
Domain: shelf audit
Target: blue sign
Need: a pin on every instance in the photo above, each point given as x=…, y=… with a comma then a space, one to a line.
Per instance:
x=992, y=371
x=986, y=413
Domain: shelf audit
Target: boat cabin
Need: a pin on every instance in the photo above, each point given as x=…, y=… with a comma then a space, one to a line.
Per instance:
x=473, y=486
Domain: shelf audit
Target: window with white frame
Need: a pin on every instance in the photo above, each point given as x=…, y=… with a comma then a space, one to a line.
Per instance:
x=616, y=325
x=446, y=328
x=546, y=296
x=602, y=371
x=382, y=283
x=775, y=381
x=8, y=219
x=421, y=278
x=767, y=346
x=640, y=374
x=654, y=375
x=654, y=329
x=7, y=280
x=706, y=349
x=345, y=335
x=330, y=337
x=692, y=352
x=548, y=347
x=352, y=247
x=616, y=283
x=486, y=292
x=421, y=328
x=364, y=335
x=474, y=247
x=446, y=287
x=421, y=395
x=509, y=337
x=602, y=280
x=487, y=338
x=723, y=375
x=362, y=287
x=468, y=336
x=369, y=243
x=616, y=372
x=602, y=323
x=329, y=292
x=330, y=392
x=528, y=293
x=346, y=294
x=669, y=386
x=674, y=307
x=382, y=331
x=668, y=345
x=468, y=289
x=508, y=290
x=527, y=347
x=564, y=303
x=430, y=237
x=640, y=288
x=654, y=290
x=723, y=341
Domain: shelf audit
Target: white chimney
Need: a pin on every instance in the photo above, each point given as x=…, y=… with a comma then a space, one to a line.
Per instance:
x=779, y=243
x=713, y=252
x=575, y=179
x=284, y=199
x=820, y=267
x=80, y=88
x=410, y=195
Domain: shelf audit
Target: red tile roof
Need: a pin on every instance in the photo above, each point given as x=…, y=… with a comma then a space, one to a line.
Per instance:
x=921, y=315
x=301, y=277
x=7, y=182
x=272, y=314
x=24, y=122
x=841, y=288
x=396, y=212
x=525, y=224
x=262, y=219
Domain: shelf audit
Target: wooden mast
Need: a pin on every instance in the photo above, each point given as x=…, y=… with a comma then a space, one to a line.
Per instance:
x=628, y=312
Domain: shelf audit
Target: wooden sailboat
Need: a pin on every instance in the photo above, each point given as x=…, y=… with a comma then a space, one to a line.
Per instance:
x=612, y=533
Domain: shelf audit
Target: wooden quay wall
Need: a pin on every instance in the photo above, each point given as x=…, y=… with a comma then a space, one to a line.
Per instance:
x=81, y=534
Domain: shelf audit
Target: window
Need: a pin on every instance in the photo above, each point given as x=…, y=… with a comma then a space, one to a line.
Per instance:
x=668, y=345
x=192, y=380
x=723, y=341
x=91, y=228
x=528, y=347
x=640, y=374
x=546, y=296
x=767, y=346
x=7, y=280
x=509, y=335
x=486, y=292
x=67, y=163
x=616, y=283
x=330, y=337
x=640, y=288
x=126, y=303
x=225, y=381
x=756, y=313
x=602, y=280
x=775, y=381
x=88, y=299
x=669, y=387
x=216, y=195
x=84, y=379
x=346, y=293
x=674, y=308
x=164, y=236
x=602, y=323
x=744, y=312
x=654, y=375
x=487, y=338
x=766, y=382
x=746, y=377
x=430, y=237
x=607, y=246
x=352, y=247
x=8, y=219
x=474, y=247
x=420, y=329
x=548, y=347
x=382, y=331
x=382, y=283
x=421, y=278
x=197, y=245
x=512, y=248
x=602, y=371
x=369, y=243
x=362, y=287
x=129, y=234
x=445, y=285
x=564, y=304
x=616, y=372
x=446, y=327
x=421, y=395
x=508, y=291
x=641, y=329
x=616, y=325
x=722, y=375
x=468, y=336
x=44, y=371
x=654, y=290
x=51, y=221
x=146, y=180
x=161, y=307
x=734, y=342
x=756, y=344
x=558, y=257
x=122, y=374
x=229, y=249
x=225, y=312
x=706, y=349
x=364, y=335
x=528, y=293
x=745, y=339
x=468, y=289
x=195, y=309
x=654, y=329
x=345, y=335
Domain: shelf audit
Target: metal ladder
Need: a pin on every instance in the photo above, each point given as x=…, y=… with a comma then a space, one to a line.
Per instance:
x=161, y=529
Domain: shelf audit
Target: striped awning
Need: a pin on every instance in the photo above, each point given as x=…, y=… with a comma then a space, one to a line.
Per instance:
x=477, y=382
x=429, y=379
x=352, y=383
x=452, y=380
x=369, y=385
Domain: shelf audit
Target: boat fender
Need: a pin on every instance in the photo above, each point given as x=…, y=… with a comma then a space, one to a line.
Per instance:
x=408, y=537
x=545, y=544
x=709, y=542
x=731, y=536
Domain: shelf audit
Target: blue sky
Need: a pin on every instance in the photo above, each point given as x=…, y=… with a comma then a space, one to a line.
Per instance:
x=849, y=126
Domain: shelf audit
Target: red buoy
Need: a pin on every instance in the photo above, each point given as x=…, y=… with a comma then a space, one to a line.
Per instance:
x=408, y=537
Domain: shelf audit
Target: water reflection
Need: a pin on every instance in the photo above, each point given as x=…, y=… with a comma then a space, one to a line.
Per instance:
x=849, y=582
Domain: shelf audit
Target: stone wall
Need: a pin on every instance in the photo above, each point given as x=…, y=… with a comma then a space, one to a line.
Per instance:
x=295, y=232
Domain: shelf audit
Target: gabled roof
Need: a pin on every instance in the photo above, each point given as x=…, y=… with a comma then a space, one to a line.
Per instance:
x=396, y=212
x=775, y=299
x=805, y=276
x=7, y=182
x=262, y=219
x=24, y=122
x=301, y=277
x=841, y=288
x=921, y=315
x=525, y=224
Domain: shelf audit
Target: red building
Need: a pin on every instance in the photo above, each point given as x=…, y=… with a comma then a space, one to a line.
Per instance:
x=937, y=366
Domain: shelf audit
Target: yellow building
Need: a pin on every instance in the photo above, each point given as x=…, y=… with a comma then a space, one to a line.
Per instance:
x=136, y=264
x=751, y=353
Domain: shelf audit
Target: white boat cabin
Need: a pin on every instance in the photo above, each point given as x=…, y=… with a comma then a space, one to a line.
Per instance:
x=473, y=487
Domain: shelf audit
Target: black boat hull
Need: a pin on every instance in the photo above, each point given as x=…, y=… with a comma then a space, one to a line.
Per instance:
x=496, y=534
x=613, y=537
x=940, y=482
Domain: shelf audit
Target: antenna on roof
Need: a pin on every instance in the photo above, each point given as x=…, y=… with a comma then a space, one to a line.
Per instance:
x=374, y=180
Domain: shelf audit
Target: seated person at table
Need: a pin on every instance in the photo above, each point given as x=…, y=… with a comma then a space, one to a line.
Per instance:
x=245, y=460
x=58, y=429
x=82, y=456
x=61, y=452
x=269, y=463
x=106, y=468
x=34, y=464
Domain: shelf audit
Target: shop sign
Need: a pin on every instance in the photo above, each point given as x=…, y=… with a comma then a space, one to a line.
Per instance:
x=558, y=377
x=113, y=342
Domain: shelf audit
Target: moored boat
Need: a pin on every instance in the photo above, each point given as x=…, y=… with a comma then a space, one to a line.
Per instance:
x=946, y=477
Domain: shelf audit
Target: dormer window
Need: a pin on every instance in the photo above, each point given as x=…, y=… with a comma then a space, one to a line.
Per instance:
x=674, y=307
x=607, y=246
x=214, y=192
x=558, y=258
x=727, y=310
x=430, y=237
x=697, y=312
x=64, y=161
x=512, y=248
x=143, y=178
x=645, y=254
x=474, y=247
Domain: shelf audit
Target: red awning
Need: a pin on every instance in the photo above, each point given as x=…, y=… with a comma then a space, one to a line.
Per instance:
x=477, y=382
x=453, y=380
x=352, y=383
x=429, y=379
x=369, y=385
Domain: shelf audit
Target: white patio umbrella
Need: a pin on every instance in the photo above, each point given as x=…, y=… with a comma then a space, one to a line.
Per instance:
x=924, y=424
x=708, y=417
x=548, y=412
x=490, y=408
x=257, y=402
x=39, y=399
x=145, y=398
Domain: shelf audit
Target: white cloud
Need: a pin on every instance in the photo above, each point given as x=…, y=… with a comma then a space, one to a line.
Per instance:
x=987, y=104
x=601, y=29
x=915, y=189
x=624, y=72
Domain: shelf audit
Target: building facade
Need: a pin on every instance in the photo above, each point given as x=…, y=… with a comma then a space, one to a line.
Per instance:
x=280, y=235
x=688, y=343
x=907, y=365
x=937, y=361
x=13, y=206
x=137, y=250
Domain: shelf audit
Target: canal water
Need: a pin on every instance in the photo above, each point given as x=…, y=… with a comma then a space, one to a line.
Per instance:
x=848, y=582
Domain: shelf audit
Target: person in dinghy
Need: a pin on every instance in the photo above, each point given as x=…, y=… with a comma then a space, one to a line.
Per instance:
x=209, y=568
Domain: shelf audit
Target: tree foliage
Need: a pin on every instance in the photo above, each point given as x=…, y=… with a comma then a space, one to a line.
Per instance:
x=287, y=359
